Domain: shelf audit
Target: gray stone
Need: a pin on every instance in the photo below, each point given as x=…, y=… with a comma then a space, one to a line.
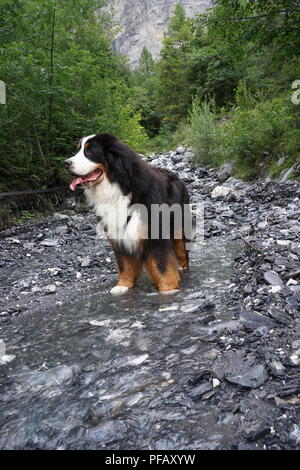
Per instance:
x=50, y=289
x=276, y=368
x=180, y=149
x=86, y=262
x=252, y=320
x=200, y=390
x=225, y=171
x=295, y=359
x=36, y=289
x=50, y=378
x=273, y=279
x=60, y=216
x=296, y=344
x=220, y=191
x=50, y=242
x=294, y=436
x=253, y=378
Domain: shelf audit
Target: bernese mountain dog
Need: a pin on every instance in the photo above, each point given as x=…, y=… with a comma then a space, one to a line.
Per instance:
x=123, y=189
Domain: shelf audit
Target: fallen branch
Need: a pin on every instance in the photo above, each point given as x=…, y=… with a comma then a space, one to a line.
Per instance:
x=253, y=247
x=34, y=191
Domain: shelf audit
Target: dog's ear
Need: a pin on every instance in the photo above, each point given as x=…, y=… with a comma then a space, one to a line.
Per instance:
x=123, y=164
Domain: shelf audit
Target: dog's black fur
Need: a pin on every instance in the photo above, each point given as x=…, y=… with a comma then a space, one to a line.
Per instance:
x=147, y=185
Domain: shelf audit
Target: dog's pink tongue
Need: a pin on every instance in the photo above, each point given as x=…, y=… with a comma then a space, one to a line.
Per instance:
x=85, y=179
x=75, y=183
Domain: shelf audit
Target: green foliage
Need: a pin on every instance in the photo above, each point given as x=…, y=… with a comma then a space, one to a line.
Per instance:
x=245, y=55
x=222, y=84
x=203, y=132
x=143, y=83
x=63, y=81
x=254, y=136
x=174, y=93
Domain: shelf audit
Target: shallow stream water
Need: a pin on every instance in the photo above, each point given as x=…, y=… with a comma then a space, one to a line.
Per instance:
x=116, y=372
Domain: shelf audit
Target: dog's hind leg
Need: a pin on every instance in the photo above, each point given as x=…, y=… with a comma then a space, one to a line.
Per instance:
x=181, y=253
x=163, y=270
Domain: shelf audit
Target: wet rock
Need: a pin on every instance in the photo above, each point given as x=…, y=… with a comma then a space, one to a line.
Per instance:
x=294, y=435
x=252, y=378
x=28, y=246
x=220, y=192
x=25, y=283
x=225, y=171
x=49, y=289
x=6, y=358
x=199, y=307
x=200, y=390
x=296, y=344
x=257, y=434
x=252, y=320
x=51, y=242
x=283, y=242
x=86, y=262
x=272, y=278
x=295, y=358
x=107, y=432
x=36, y=289
x=59, y=216
x=280, y=316
x=276, y=368
x=180, y=150
x=227, y=321
x=176, y=158
x=62, y=230
x=45, y=379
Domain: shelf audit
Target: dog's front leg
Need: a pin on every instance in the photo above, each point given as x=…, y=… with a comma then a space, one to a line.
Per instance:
x=129, y=271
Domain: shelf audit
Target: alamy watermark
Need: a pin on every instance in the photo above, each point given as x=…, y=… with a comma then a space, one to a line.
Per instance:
x=2, y=92
x=129, y=225
x=296, y=94
x=4, y=358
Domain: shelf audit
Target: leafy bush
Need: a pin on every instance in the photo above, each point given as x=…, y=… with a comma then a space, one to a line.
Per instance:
x=254, y=136
x=203, y=132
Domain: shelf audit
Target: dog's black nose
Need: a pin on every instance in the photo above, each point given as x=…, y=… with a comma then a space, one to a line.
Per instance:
x=68, y=164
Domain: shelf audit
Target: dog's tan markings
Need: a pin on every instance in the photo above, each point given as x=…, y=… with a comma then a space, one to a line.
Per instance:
x=170, y=279
x=181, y=253
x=131, y=268
x=86, y=145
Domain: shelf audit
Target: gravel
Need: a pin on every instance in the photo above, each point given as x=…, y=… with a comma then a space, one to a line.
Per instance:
x=216, y=366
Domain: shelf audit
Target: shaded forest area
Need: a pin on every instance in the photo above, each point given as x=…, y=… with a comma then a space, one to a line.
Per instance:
x=223, y=84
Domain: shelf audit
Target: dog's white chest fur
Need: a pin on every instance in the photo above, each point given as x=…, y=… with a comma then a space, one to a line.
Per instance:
x=120, y=221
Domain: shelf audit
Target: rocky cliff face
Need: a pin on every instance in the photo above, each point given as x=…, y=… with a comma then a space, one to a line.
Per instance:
x=143, y=23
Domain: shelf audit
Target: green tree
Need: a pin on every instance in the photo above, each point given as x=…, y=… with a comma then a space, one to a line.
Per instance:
x=143, y=82
x=174, y=87
x=63, y=81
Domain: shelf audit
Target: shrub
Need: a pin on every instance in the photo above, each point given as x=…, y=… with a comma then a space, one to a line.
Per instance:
x=204, y=133
x=255, y=134
x=258, y=136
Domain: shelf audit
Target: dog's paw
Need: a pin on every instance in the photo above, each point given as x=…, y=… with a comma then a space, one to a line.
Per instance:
x=167, y=292
x=119, y=290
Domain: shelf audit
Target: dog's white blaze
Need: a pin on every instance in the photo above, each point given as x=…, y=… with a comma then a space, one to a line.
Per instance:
x=114, y=209
x=82, y=166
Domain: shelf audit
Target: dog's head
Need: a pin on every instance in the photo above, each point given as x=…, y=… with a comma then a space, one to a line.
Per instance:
x=89, y=164
x=102, y=156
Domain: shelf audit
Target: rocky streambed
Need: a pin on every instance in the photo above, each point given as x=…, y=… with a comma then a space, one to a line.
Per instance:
x=216, y=366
